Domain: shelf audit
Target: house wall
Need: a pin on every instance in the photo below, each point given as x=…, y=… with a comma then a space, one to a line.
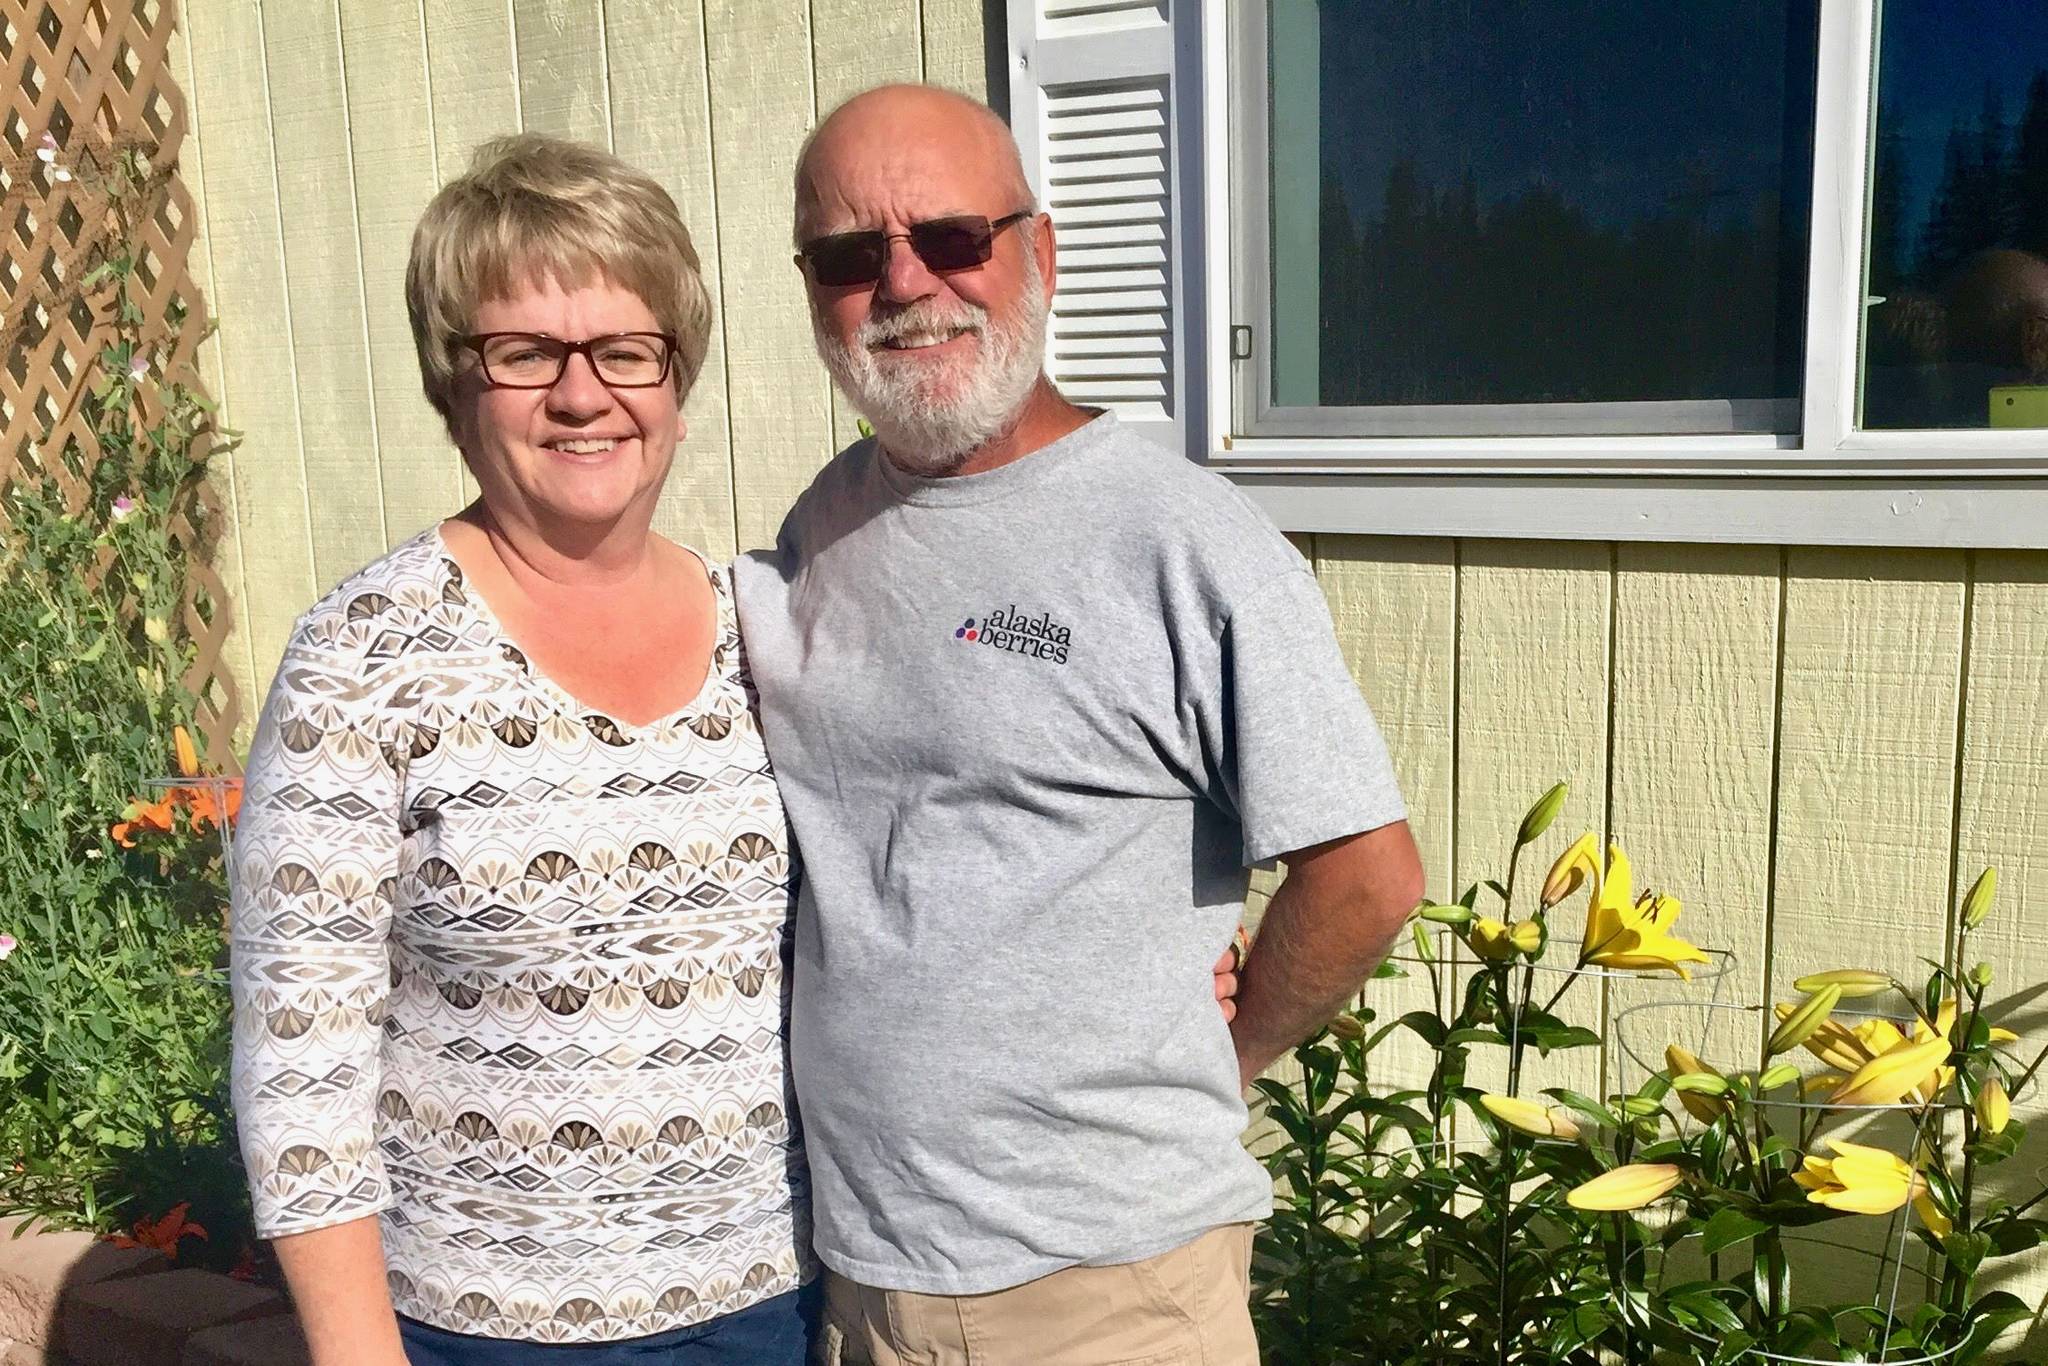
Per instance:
x=1816, y=749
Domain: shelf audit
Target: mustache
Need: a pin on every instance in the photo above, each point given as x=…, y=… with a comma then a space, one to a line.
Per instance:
x=923, y=316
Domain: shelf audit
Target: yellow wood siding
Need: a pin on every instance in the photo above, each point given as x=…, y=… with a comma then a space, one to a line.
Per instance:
x=1815, y=749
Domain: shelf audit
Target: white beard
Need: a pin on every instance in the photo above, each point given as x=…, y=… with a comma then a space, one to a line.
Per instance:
x=926, y=430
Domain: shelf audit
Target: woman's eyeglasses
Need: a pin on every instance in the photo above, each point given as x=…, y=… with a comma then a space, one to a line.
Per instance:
x=531, y=360
x=961, y=242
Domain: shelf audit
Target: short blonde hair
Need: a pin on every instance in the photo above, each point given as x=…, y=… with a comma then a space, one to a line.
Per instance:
x=536, y=207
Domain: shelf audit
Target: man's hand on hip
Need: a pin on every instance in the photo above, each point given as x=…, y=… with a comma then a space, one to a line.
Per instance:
x=1324, y=931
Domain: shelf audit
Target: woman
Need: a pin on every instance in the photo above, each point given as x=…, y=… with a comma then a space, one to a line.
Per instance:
x=512, y=879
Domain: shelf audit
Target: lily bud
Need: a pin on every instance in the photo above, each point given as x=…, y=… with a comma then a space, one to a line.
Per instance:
x=1980, y=976
x=1423, y=949
x=1347, y=1026
x=1700, y=1084
x=1977, y=904
x=1542, y=814
x=1526, y=935
x=1626, y=1188
x=1530, y=1118
x=1853, y=982
x=1783, y=1074
x=1573, y=867
x=1446, y=915
x=1994, y=1107
x=1800, y=1025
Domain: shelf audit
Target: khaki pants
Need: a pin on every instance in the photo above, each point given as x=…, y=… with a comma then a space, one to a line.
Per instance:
x=1186, y=1307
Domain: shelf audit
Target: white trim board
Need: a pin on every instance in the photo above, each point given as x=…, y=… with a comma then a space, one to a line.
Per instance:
x=1993, y=514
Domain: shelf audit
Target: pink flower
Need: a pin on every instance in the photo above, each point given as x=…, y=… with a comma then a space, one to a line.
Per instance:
x=123, y=508
x=6, y=945
x=138, y=367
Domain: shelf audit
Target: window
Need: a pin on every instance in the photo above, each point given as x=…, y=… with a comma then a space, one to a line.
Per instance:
x=1956, y=261
x=1486, y=219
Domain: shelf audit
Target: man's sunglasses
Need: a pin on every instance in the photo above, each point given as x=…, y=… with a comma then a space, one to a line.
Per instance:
x=943, y=244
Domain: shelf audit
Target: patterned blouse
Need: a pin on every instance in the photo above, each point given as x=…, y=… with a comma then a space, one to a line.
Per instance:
x=511, y=973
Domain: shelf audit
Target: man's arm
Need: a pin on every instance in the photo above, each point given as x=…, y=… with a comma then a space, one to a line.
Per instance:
x=336, y=1275
x=1325, y=930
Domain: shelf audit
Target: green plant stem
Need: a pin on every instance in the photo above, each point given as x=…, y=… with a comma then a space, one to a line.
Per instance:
x=1517, y=1047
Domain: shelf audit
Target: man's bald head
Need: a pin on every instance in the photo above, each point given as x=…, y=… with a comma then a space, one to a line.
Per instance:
x=919, y=130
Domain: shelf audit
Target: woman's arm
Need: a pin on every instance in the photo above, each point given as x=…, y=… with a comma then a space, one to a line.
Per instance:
x=315, y=862
x=337, y=1279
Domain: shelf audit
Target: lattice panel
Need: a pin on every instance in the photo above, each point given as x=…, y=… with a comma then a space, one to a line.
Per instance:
x=92, y=74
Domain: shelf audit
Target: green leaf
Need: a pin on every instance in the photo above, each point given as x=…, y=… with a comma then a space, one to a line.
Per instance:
x=1728, y=1228
x=1987, y=1318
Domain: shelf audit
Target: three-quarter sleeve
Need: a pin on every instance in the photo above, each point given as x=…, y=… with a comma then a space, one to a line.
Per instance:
x=316, y=854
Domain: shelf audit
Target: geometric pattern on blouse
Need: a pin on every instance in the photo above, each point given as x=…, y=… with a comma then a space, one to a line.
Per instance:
x=513, y=975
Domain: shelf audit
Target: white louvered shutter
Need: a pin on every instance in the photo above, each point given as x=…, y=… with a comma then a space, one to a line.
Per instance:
x=1092, y=102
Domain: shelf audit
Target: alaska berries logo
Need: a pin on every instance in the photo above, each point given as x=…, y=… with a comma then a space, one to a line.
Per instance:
x=1008, y=629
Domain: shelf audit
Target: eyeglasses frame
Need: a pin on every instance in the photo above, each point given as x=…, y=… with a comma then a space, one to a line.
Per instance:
x=995, y=228
x=476, y=342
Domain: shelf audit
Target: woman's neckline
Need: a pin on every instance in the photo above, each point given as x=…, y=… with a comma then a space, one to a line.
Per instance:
x=473, y=599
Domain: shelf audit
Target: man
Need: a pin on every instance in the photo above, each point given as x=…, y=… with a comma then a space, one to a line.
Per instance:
x=1037, y=693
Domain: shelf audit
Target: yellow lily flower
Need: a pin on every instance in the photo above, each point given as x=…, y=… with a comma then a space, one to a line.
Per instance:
x=1847, y=1049
x=1625, y=1188
x=1889, y=1076
x=1526, y=1115
x=1573, y=867
x=1489, y=939
x=1633, y=935
x=1938, y=1224
x=1834, y=1043
x=1682, y=1062
x=1496, y=942
x=1945, y=1021
x=1859, y=1179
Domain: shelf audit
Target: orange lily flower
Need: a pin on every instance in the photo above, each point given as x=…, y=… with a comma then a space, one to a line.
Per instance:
x=144, y=818
x=163, y=1234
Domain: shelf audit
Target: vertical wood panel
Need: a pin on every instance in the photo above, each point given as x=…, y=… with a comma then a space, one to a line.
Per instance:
x=761, y=107
x=220, y=468
x=472, y=78
x=955, y=50
x=323, y=295
x=1866, y=780
x=2004, y=808
x=561, y=56
x=239, y=188
x=1695, y=697
x=1867, y=760
x=1395, y=603
x=2003, y=823
x=660, y=95
x=391, y=143
x=473, y=93
x=1532, y=704
x=857, y=45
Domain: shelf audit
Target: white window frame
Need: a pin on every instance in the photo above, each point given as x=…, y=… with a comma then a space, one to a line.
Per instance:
x=1829, y=484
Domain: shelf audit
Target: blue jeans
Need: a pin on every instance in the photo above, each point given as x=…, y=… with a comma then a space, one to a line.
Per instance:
x=774, y=1332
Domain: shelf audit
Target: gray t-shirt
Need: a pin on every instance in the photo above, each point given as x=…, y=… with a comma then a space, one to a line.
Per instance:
x=1032, y=726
